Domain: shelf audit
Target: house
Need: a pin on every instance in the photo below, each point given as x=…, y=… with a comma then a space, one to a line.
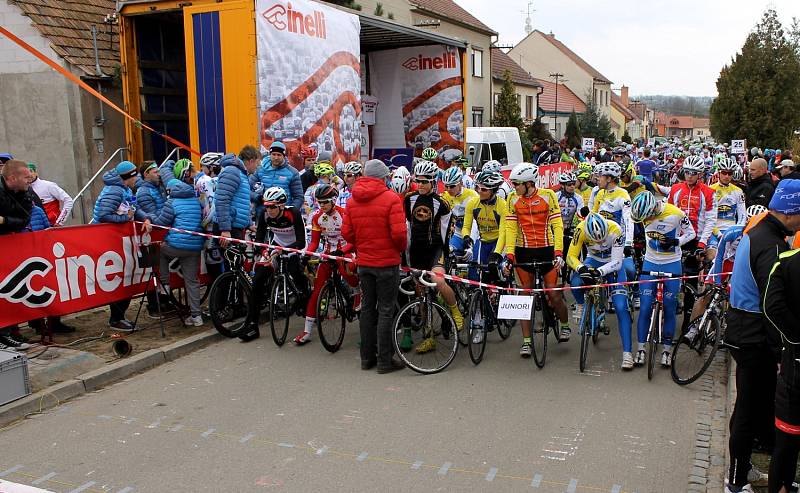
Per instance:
x=701, y=128
x=644, y=115
x=542, y=54
x=526, y=87
x=47, y=119
x=449, y=19
x=621, y=116
x=680, y=126
x=556, y=103
x=660, y=124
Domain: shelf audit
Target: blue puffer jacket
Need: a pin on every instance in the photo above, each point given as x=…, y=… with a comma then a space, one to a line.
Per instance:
x=39, y=219
x=114, y=201
x=285, y=177
x=232, y=199
x=182, y=210
x=165, y=171
x=150, y=198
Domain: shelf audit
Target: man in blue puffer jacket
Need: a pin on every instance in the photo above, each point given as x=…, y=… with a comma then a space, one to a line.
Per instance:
x=275, y=171
x=232, y=199
x=150, y=195
x=182, y=210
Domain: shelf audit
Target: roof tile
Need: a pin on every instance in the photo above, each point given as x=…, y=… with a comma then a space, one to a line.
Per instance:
x=502, y=62
x=573, y=56
x=567, y=100
x=451, y=10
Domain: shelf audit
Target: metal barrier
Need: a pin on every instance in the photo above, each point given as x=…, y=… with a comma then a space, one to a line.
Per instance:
x=121, y=150
x=176, y=151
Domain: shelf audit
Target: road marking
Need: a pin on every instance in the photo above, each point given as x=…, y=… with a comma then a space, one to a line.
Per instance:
x=126, y=489
x=208, y=432
x=44, y=478
x=491, y=474
x=323, y=450
x=286, y=445
x=536, y=481
x=103, y=416
x=362, y=457
x=129, y=421
x=176, y=428
x=616, y=488
x=247, y=437
x=416, y=465
x=10, y=471
x=83, y=487
x=445, y=467
x=573, y=485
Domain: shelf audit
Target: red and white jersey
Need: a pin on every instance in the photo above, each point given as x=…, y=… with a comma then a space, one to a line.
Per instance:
x=327, y=227
x=697, y=203
x=57, y=203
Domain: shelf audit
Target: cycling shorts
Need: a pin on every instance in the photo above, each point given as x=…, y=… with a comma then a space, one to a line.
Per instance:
x=528, y=255
x=426, y=259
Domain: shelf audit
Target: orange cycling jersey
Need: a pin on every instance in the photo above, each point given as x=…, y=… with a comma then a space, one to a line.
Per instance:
x=534, y=222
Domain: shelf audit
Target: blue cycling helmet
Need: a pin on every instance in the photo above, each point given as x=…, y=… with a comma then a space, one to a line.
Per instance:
x=596, y=227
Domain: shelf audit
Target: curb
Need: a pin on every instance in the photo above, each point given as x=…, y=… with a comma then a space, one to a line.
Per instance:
x=55, y=395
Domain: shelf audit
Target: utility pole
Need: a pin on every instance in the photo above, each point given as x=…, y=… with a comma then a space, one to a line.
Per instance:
x=556, y=76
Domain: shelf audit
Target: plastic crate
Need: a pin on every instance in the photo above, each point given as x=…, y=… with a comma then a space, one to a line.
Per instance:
x=14, y=381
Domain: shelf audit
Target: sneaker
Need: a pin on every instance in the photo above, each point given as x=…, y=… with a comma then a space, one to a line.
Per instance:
x=477, y=336
x=10, y=343
x=666, y=358
x=565, y=333
x=302, y=338
x=122, y=325
x=526, y=350
x=393, y=367
x=457, y=317
x=251, y=333
x=357, y=302
x=641, y=358
x=754, y=475
x=196, y=321
x=627, y=361
x=737, y=489
x=426, y=346
x=407, y=343
x=368, y=364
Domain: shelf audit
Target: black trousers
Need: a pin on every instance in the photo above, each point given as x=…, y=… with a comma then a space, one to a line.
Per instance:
x=379, y=287
x=783, y=464
x=753, y=414
x=118, y=309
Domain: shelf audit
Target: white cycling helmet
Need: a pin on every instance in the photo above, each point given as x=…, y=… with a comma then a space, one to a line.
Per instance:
x=524, y=172
x=567, y=177
x=353, y=167
x=210, y=159
x=491, y=166
x=608, y=169
x=755, y=210
x=738, y=173
x=399, y=184
x=694, y=164
x=727, y=164
x=452, y=176
x=489, y=179
x=596, y=227
x=643, y=206
x=426, y=168
x=275, y=195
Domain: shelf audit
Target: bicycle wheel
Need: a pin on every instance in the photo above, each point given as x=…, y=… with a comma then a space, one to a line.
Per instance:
x=418, y=337
x=331, y=317
x=652, y=344
x=586, y=334
x=281, y=310
x=478, y=323
x=462, y=301
x=539, y=330
x=228, y=303
x=691, y=358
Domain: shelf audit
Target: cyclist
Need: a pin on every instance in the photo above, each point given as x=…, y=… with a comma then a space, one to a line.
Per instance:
x=400, y=182
x=603, y=243
x=205, y=185
x=583, y=186
x=729, y=201
x=326, y=226
x=325, y=175
x=570, y=204
x=428, y=219
x=430, y=154
x=352, y=171
x=494, y=166
x=488, y=210
x=534, y=233
x=307, y=176
x=456, y=196
x=283, y=226
x=667, y=229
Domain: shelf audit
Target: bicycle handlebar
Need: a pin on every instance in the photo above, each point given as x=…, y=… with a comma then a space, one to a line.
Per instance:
x=420, y=278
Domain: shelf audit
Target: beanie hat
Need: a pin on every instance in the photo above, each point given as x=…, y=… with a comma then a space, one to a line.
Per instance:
x=786, y=199
x=377, y=169
x=32, y=166
x=278, y=147
x=325, y=156
x=126, y=169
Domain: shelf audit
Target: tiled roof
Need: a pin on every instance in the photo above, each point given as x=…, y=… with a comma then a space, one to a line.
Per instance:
x=451, y=10
x=502, y=62
x=67, y=24
x=567, y=100
x=674, y=121
x=573, y=56
x=616, y=101
x=702, y=122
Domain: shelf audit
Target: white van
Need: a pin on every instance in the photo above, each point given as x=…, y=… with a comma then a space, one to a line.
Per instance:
x=493, y=143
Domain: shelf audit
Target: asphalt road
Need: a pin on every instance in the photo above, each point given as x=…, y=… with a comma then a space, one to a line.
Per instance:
x=239, y=417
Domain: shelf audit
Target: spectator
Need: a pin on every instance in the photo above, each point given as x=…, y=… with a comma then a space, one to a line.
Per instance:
x=760, y=189
x=4, y=158
x=275, y=171
x=232, y=199
x=754, y=345
x=786, y=170
x=646, y=166
x=537, y=151
x=57, y=203
x=307, y=176
x=116, y=204
x=374, y=223
x=150, y=195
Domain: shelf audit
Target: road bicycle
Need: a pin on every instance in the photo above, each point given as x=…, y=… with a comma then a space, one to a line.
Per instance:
x=546, y=322
x=423, y=328
x=696, y=348
x=655, y=332
x=285, y=298
x=460, y=290
x=230, y=294
x=335, y=308
x=593, y=320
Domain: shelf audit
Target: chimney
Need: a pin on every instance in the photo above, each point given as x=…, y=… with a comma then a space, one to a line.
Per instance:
x=623, y=95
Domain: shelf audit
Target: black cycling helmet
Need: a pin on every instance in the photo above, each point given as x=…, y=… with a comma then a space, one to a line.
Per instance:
x=326, y=192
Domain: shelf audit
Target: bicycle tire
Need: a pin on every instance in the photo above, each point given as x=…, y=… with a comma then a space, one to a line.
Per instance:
x=651, y=341
x=705, y=340
x=420, y=362
x=462, y=301
x=586, y=334
x=280, y=310
x=539, y=347
x=228, y=303
x=477, y=311
x=331, y=317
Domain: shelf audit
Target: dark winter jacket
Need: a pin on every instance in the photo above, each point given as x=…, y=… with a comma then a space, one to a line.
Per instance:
x=15, y=207
x=39, y=219
x=114, y=201
x=284, y=176
x=182, y=210
x=760, y=191
x=232, y=199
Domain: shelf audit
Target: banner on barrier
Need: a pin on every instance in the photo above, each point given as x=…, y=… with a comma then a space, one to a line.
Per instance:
x=309, y=78
x=548, y=173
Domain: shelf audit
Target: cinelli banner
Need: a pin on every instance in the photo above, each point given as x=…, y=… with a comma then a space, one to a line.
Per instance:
x=309, y=77
x=420, y=90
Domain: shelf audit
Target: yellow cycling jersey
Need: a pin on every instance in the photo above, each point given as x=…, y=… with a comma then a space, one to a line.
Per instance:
x=491, y=220
x=609, y=251
x=534, y=221
x=615, y=205
x=730, y=206
x=458, y=205
x=585, y=195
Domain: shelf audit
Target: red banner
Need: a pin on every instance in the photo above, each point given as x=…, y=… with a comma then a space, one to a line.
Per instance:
x=548, y=173
x=66, y=270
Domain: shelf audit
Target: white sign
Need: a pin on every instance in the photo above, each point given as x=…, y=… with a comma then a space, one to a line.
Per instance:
x=738, y=147
x=513, y=307
x=588, y=144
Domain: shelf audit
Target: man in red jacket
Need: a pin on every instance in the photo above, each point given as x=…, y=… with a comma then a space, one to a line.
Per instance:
x=374, y=223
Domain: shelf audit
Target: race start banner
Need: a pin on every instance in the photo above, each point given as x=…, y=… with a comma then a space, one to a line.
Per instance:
x=548, y=173
x=309, y=78
x=420, y=90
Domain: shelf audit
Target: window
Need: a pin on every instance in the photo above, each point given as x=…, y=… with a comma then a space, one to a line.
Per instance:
x=519, y=102
x=499, y=152
x=477, y=63
x=477, y=116
x=595, y=97
x=529, y=107
x=496, y=98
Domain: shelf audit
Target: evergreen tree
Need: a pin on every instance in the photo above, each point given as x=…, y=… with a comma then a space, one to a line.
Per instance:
x=759, y=92
x=626, y=137
x=593, y=124
x=507, y=111
x=572, y=133
x=538, y=131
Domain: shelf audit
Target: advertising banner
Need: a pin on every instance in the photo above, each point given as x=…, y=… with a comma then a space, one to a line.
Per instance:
x=548, y=173
x=309, y=78
x=420, y=90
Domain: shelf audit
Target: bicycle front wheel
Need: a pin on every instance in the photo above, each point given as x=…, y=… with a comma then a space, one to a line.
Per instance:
x=588, y=332
x=280, y=310
x=692, y=357
x=418, y=337
x=539, y=330
x=331, y=317
x=228, y=303
x=478, y=321
x=652, y=343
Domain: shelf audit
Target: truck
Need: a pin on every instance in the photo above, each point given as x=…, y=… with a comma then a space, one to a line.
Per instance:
x=493, y=143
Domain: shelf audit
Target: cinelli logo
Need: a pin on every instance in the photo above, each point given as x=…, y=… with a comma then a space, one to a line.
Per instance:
x=419, y=62
x=286, y=18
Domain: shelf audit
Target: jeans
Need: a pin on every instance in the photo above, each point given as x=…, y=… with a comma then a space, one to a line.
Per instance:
x=379, y=287
x=190, y=267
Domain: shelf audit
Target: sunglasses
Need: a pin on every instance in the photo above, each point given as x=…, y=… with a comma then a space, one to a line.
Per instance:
x=726, y=172
x=569, y=184
x=691, y=173
x=517, y=183
x=451, y=186
x=325, y=201
x=482, y=189
x=421, y=181
x=349, y=175
x=272, y=206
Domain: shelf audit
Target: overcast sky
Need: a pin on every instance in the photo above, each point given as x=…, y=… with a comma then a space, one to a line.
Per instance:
x=652, y=46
